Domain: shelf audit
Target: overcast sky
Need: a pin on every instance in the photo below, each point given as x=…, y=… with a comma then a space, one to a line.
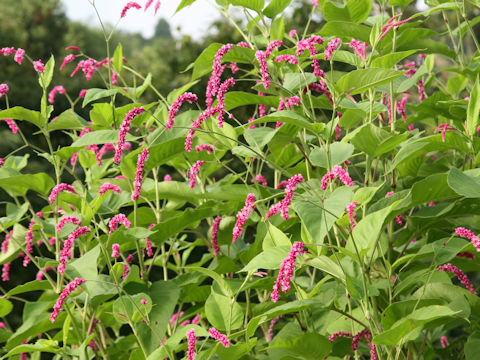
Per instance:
x=194, y=19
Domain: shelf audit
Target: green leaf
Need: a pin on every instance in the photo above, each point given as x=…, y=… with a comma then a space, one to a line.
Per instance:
x=235, y=99
x=6, y=307
x=277, y=30
x=275, y=7
x=358, y=81
x=227, y=290
x=20, y=113
x=308, y=346
x=389, y=60
x=259, y=137
x=463, y=184
x=67, y=120
x=288, y=117
x=118, y=58
x=472, y=345
x=223, y=313
x=46, y=77
x=401, y=3
x=295, y=81
x=338, y=152
x=269, y=259
x=346, y=30
x=20, y=184
x=85, y=267
x=329, y=266
x=356, y=11
x=99, y=137
x=130, y=307
x=172, y=342
x=256, y=5
x=95, y=94
x=473, y=109
x=275, y=237
x=42, y=345
x=183, y=4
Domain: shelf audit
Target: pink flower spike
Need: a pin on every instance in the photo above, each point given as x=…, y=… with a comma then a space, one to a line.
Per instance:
x=215, y=226
x=271, y=327
x=142, y=158
x=352, y=215
x=67, y=252
x=401, y=108
x=12, y=125
x=261, y=179
x=459, y=274
x=315, y=3
x=115, y=250
x=262, y=60
x=270, y=47
x=191, y=337
x=6, y=51
x=421, y=90
x=286, y=271
x=360, y=48
x=331, y=47
x=444, y=341
x=194, y=171
x=223, y=339
x=148, y=242
x=61, y=299
x=217, y=70
x=339, y=172
x=57, y=89
x=67, y=220
x=287, y=58
x=58, y=189
x=338, y=334
x=6, y=272
x=243, y=215
x=116, y=220
x=68, y=59
x=19, y=56
x=196, y=319
x=175, y=317
x=75, y=48
x=124, y=129
x=444, y=128
x=4, y=89
x=185, y=97
x=82, y=93
x=5, y=243
x=468, y=234
x=107, y=186
x=253, y=126
x=147, y=5
x=131, y=4
x=167, y=178
x=38, y=66
x=208, y=148
x=292, y=33
x=157, y=6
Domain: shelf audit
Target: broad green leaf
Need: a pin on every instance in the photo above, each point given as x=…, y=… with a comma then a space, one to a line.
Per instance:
x=275, y=237
x=46, y=77
x=401, y=3
x=287, y=117
x=355, y=11
x=472, y=345
x=227, y=290
x=389, y=60
x=235, y=99
x=259, y=137
x=42, y=345
x=455, y=84
x=256, y=5
x=473, y=110
x=183, y=4
x=337, y=154
x=269, y=259
x=275, y=7
x=96, y=93
x=329, y=266
x=20, y=113
x=67, y=120
x=118, y=58
x=443, y=6
x=223, y=313
x=172, y=342
x=295, y=81
x=308, y=346
x=358, y=81
x=277, y=30
x=85, y=267
x=20, y=184
x=99, y=137
x=6, y=307
x=463, y=184
x=130, y=308
x=346, y=30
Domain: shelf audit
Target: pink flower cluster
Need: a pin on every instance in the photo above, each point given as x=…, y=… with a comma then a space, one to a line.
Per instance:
x=288, y=58
x=67, y=220
x=286, y=271
x=131, y=4
x=444, y=128
x=220, y=108
x=401, y=108
x=359, y=47
x=391, y=24
x=172, y=113
x=6, y=271
x=421, y=90
x=271, y=327
x=12, y=125
x=339, y=172
x=108, y=186
x=208, y=148
x=331, y=47
x=352, y=215
x=194, y=172
x=243, y=215
x=7, y=51
x=309, y=44
x=283, y=205
x=124, y=129
x=59, y=89
x=58, y=189
x=192, y=338
x=5, y=243
x=68, y=59
x=217, y=71
x=271, y=46
x=138, y=174
x=356, y=339
x=148, y=242
x=215, y=226
x=67, y=252
x=61, y=300
x=262, y=60
x=117, y=220
x=261, y=179
x=4, y=89
x=38, y=66
x=459, y=274
x=115, y=250
x=28, y=244
x=444, y=341
x=223, y=339
x=322, y=87
x=19, y=56
x=468, y=234
x=43, y=271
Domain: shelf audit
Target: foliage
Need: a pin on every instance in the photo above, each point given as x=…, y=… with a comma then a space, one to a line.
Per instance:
x=320, y=200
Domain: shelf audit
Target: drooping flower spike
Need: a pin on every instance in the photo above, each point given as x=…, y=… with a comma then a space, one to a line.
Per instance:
x=59, y=89
x=215, y=226
x=460, y=275
x=19, y=56
x=108, y=186
x=115, y=250
x=271, y=46
x=12, y=125
x=38, y=66
x=339, y=172
x=68, y=220
x=194, y=172
x=192, y=338
x=360, y=48
x=262, y=60
x=260, y=179
x=185, y=97
x=67, y=252
x=331, y=47
x=243, y=215
x=124, y=129
x=131, y=4
x=61, y=300
x=205, y=147
x=286, y=271
x=58, y=189
x=142, y=158
x=468, y=234
x=283, y=205
x=287, y=58
x=217, y=71
x=352, y=215
x=117, y=220
x=223, y=339
x=444, y=128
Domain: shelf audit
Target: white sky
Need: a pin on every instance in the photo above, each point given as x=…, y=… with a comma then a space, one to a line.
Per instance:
x=193, y=20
